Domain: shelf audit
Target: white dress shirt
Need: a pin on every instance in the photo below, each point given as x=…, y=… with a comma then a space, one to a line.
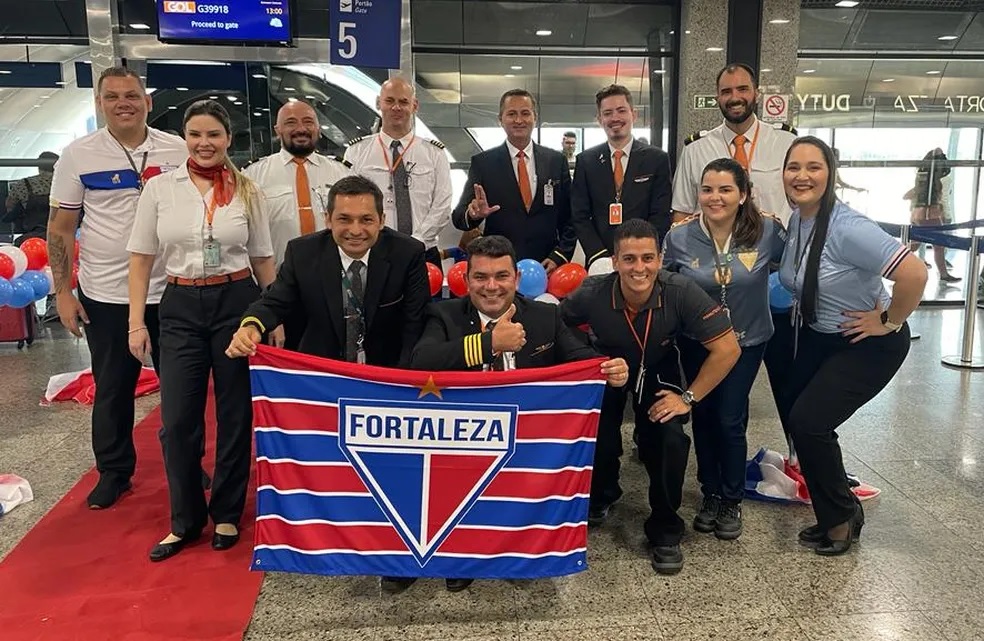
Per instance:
x=277, y=177
x=508, y=358
x=171, y=220
x=428, y=170
x=530, y=164
x=766, y=166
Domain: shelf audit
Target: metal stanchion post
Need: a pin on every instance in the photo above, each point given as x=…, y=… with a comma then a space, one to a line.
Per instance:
x=966, y=358
x=904, y=239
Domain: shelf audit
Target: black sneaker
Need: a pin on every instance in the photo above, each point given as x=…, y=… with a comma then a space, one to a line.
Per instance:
x=598, y=514
x=728, y=525
x=706, y=519
x=108, y=491
x=666, y=559
x=396, y=584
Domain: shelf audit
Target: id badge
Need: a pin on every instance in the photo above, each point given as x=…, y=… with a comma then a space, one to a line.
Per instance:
x=640, y=381
x=548, y=194
x=360, y=356
x=615, y=214
x=211, y=250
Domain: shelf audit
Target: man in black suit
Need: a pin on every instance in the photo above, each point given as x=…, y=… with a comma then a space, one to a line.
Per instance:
x=520, y=189
x=361, y=286
x=492, y=329
x=618, y=180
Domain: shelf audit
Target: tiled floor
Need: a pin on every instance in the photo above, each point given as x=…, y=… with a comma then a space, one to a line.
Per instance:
x=916, y=576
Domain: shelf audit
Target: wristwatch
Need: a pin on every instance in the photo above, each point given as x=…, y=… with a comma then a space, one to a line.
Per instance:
x=892, y=327
x=688, y=398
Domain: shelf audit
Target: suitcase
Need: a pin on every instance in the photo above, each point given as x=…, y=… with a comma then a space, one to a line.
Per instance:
x=18, y=325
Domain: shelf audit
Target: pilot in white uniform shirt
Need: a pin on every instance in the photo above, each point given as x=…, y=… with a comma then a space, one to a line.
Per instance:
x=765, y=147
x=277, y=176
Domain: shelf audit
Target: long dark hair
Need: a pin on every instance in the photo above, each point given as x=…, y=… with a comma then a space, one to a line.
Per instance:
x=747, y=231
x=822, y=224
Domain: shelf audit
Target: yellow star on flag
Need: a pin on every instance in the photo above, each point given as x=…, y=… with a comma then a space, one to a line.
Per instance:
x=430, y=387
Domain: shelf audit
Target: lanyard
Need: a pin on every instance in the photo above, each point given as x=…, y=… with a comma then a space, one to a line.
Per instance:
x=390, y=164
x=133, y=165
x=642, y=343
x=723, y=272
x=801, y=250
x=751, y=152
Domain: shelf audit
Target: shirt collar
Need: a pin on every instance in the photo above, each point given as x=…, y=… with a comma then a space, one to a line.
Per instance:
x=625, y=150
x=655, y=298
x=288, y=158
x=388, y=140
x=146, y=145
x=348, y=260
x=730, y=135
x=515, y=150
x=707, y=232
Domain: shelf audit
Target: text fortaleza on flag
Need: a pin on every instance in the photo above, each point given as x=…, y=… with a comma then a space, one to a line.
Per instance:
x=370, y=471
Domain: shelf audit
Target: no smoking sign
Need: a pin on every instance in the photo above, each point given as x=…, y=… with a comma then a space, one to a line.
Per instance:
x=775, y=107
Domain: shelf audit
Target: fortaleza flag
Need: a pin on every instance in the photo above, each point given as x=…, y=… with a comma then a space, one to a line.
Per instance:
x=371, y=471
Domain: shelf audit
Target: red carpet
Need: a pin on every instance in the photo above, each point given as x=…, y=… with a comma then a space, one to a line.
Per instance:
x=84, y=574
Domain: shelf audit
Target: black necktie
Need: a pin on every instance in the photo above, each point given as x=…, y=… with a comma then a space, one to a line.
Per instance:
x=499, y=360
x=354, y=325
x=401, y=191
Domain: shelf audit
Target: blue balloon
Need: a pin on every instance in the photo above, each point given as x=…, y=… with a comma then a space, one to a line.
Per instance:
x=6, y=291
x=38, y=281
x=23, y=294
x=780, y=298
x=532, y=278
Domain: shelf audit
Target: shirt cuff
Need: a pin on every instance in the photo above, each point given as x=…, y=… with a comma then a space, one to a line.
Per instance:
x=253, y=320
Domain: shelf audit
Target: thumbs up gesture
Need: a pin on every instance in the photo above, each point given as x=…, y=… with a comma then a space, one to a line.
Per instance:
x=478, y=208
x=508, y=336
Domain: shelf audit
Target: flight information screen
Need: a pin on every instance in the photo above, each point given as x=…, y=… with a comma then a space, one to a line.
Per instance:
x=252, y=21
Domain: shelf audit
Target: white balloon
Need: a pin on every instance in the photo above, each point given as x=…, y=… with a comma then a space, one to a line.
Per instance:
x=600, y=267
x=50, y=277
x=547, y=297
x=16, y=255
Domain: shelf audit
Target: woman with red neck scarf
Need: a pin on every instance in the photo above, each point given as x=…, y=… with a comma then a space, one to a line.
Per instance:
x=208, y=226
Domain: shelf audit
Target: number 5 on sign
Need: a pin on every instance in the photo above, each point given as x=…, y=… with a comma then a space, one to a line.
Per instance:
x=349, y=46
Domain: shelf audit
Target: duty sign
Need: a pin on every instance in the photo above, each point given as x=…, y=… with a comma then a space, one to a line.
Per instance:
x=365, y=33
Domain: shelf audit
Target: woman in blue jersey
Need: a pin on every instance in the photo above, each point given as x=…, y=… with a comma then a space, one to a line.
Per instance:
x=727, y=250
x=850, y=336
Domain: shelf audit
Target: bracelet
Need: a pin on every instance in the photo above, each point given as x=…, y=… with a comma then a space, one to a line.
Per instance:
x=137, y=329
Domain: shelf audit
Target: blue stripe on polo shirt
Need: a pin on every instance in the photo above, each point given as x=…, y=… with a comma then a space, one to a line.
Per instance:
x=111, y=180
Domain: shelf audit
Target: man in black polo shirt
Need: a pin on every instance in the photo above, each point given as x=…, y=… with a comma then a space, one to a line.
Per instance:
x=635, y=313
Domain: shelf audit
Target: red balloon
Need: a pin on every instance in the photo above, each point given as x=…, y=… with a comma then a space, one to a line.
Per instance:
x=76, y=258
x=36, y=250
x=565, y=279
x=7, y=267
x=435, y=277
x=456, y=279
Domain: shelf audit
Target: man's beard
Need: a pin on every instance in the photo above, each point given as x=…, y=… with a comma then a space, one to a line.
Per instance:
x=749, y=110
x=297, y=149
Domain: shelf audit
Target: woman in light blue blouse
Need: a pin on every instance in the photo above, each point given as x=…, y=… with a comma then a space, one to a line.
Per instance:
x=851, y=337
x=727, y=250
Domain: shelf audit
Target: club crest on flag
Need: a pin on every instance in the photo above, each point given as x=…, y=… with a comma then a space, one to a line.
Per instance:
x=425, y=462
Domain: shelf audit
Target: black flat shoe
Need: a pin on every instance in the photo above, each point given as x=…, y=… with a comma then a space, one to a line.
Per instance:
x=832, y=547
x=224, y=541
x=164, y=551
x=812, y=536
x=457, y=585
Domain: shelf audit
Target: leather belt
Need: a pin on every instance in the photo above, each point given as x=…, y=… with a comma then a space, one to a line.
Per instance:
x=208, y=281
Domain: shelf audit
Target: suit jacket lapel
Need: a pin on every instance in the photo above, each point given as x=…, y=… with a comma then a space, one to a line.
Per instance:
x=542, y=171
x=636, y=156
x=331, y=267
x=605, y=170
x=509, y=175
x=376, y=276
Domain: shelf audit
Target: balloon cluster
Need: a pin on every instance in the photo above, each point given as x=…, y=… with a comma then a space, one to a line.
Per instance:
x=533, y=280
x=780, y=298
x=24, y=273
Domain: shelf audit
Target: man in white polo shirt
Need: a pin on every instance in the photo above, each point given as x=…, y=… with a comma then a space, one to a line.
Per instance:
x=295, y=182
x=101, y=175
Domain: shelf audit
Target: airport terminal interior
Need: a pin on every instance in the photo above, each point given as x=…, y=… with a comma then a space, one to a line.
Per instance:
x=885, y=82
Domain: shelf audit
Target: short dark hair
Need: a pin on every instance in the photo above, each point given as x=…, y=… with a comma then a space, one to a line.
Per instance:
x=635, y=228
x=491, y=247
x=119, y=72
x=354, y=186
x=517, y=93
x=570, y=134
x=612, y=90
x=736, y=66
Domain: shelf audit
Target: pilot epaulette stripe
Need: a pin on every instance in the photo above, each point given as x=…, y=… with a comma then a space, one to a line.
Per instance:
x=787, y=127
x=341, y=160
x=694, y=137
x=436, y=143
x=359, y=139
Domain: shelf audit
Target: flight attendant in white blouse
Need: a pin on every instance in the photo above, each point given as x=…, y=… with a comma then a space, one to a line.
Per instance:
x=209, y=225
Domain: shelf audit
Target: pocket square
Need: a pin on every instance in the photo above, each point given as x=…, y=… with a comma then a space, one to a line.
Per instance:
x=642, y=179
x=541, y=348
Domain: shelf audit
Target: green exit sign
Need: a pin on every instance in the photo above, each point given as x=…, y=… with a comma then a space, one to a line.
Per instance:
x=705, y=102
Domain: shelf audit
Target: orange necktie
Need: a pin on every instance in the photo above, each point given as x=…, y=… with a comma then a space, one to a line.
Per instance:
x=619, y=172
x=303, y=189
x=740, y=156
x=524, y=181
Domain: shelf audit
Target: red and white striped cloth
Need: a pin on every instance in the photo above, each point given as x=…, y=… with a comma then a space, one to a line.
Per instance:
x=81, y=386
